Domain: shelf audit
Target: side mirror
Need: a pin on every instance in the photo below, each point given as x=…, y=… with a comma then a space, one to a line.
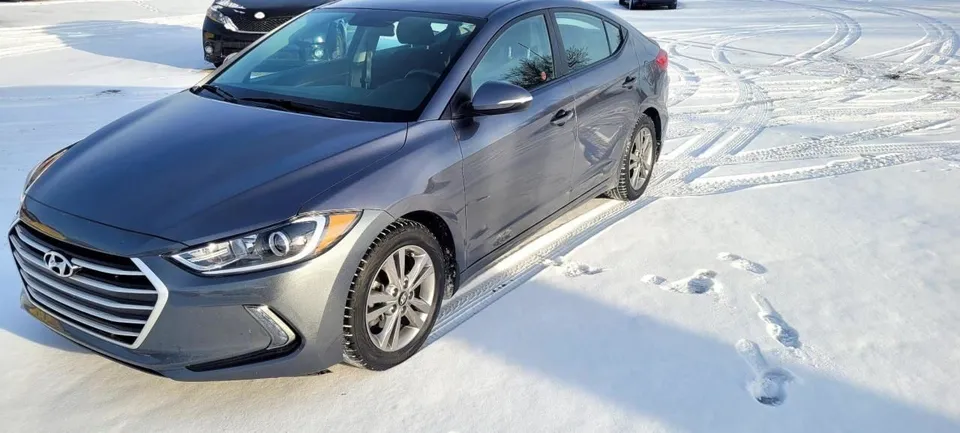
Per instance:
x=498, y=97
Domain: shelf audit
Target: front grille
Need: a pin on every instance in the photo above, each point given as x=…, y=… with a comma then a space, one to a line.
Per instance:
x=107, y=296
x=253, y=25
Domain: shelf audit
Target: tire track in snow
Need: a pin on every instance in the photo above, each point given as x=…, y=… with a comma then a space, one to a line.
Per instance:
x=690, y=80
x=939, y=45
x=847, y=32
x=945, y=44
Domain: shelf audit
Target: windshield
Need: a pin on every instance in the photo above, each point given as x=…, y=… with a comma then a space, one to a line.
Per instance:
x=359, y=64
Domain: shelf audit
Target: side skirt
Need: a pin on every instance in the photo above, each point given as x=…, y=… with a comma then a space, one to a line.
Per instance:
x=527, y=236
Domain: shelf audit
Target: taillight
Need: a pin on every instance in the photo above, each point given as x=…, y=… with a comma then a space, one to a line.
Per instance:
x=662, y=60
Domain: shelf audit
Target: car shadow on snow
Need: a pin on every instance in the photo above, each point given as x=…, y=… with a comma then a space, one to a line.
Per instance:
x=164, y=44
x=676, y=376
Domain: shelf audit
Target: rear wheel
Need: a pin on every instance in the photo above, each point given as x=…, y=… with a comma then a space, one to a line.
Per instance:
x=395, y=297
x=636, y=164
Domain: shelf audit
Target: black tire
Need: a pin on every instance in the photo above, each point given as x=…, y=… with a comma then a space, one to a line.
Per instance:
x=672, y=6
x=624, y=190
x=358, y=347
x=632, y=4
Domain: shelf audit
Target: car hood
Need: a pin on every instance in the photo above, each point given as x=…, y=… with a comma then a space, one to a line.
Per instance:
x=278, y=7
x=191, y=169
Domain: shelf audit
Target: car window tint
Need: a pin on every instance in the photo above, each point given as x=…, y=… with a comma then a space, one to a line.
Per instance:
x=392, y=63
x=521, y=55
x=584, y=39
x=614, y=36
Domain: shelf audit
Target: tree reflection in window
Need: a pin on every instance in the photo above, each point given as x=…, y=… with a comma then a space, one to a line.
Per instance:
x=521, y=56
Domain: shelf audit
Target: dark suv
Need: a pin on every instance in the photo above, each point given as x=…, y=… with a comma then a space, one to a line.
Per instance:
x=232, y=25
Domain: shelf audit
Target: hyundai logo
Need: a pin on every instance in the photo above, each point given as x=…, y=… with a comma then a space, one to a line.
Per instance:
x=259, y=15
x=59, y=264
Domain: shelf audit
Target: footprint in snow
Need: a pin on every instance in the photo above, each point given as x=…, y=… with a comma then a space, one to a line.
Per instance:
x=576, y=269
x=547, y=261
x=653, y=279
x=701, y=282
x=769, y=384
x=572, y=269
x=742, y=263
x=776, y=326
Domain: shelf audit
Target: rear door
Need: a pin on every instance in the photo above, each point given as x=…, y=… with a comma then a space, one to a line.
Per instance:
x=603, y=74
x=516, y=166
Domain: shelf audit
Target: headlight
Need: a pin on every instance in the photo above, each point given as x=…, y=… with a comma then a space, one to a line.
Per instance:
x=280, y=245
x=37, y=171
x=214, y=14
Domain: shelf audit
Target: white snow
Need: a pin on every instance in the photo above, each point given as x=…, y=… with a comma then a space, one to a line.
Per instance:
x=815, y=142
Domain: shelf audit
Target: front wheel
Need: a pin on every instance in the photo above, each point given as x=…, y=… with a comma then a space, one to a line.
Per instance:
x=636, y=164
x=395, y=297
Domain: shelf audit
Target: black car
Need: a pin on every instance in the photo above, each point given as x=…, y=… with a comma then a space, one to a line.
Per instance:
x=232, y=25
x=635, y=4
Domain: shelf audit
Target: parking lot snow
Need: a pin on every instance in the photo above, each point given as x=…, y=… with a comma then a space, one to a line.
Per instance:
x=792, y=268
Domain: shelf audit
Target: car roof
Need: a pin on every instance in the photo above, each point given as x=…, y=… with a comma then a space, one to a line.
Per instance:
x=471, y=8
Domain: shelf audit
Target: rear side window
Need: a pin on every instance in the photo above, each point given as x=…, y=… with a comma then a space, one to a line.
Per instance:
x=521, y=55
x=585, y=39
x=614, y=36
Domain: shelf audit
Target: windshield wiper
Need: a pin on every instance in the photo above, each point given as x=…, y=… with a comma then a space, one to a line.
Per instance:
x=217, y=90
x=300, y=107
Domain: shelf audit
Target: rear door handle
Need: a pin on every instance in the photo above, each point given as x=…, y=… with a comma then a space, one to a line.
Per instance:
x=562, y=117
x=628, y=82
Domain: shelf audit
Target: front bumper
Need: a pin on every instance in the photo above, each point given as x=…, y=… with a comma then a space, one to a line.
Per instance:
x=204, y=330
x=219, y=42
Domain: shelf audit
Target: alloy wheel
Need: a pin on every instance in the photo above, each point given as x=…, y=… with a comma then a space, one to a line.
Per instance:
x=400, y=298
x=641, y=158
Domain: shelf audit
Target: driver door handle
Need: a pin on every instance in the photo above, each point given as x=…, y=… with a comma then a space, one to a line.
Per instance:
x=562, y=117
x=628, y=82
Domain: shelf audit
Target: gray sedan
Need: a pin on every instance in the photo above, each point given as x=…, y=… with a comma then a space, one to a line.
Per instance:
x=285, y=215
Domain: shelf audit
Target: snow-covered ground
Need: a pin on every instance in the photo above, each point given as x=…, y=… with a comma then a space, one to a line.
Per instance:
x=795, y=267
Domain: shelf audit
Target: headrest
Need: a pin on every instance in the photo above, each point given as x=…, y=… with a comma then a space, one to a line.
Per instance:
x=415, y=31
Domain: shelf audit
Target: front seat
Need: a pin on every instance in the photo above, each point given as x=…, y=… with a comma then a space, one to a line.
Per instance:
x=418, y=59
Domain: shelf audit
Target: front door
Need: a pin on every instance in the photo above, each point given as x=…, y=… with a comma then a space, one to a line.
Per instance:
x=516, y=166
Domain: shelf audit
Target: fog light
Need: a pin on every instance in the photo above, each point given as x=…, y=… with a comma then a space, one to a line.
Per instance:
x=280, y=334
x=208, y=49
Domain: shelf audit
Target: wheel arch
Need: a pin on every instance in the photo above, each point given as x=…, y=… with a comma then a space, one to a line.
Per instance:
x=441, y=230
x=658, y=123
x=444, y=222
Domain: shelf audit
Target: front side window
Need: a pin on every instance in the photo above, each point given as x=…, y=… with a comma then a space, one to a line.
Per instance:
x=584, y=38
x=360, y=64
x=521, y=55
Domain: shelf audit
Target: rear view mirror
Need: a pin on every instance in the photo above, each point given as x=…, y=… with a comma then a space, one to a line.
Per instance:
x=499, y=97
